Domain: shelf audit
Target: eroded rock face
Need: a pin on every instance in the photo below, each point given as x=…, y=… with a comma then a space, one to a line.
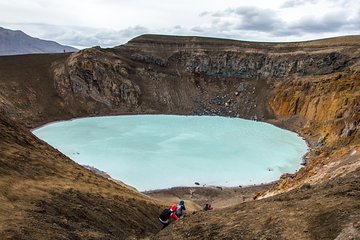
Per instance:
x=99, y=76
x=312, y=88
x=245, y=60
x=330, y=106
x=264, y=65
x=155, y=74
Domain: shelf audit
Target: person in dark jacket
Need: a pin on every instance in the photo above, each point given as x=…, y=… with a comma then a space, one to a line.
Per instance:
x=207, y=207
x=167, y=215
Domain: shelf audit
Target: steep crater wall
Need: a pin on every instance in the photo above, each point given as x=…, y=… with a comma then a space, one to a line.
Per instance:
x=309, y=87
x=155, y=75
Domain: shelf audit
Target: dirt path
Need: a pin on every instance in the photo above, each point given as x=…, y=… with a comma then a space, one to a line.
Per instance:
x=196, y=197
x=325, y=211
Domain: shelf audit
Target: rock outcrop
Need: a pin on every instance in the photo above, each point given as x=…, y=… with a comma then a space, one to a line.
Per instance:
x=329, y=108
x=97, y=75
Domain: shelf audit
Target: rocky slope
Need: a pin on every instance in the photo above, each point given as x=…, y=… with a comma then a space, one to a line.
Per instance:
x=329, y=108
x=324, y=211
x=17, y=42
x=311, y=87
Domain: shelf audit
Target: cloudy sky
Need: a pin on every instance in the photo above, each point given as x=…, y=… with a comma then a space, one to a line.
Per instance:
x=85, y=23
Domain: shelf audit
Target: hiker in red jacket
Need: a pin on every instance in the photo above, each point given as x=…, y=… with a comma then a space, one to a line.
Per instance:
x=207, y=207
x=168, y=215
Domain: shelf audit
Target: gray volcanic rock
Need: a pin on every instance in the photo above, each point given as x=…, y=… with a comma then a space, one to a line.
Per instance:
x=222, y=58
x=17, y=42
x=194, y=75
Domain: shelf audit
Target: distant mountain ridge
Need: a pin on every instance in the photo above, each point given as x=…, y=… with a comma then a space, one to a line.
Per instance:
x=17, y=42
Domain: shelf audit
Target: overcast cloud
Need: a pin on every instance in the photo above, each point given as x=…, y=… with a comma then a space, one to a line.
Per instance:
x=112, y=22
x=296, y=3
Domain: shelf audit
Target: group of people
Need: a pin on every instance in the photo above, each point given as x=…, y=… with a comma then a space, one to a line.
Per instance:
x=175, y=212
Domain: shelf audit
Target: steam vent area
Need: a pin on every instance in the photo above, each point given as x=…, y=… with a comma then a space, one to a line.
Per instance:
x=95, y=144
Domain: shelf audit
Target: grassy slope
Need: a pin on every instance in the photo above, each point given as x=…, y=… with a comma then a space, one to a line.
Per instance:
x=45, y=195
x=324, y=211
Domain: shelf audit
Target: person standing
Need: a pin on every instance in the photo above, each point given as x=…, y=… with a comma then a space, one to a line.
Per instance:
x=180, y=209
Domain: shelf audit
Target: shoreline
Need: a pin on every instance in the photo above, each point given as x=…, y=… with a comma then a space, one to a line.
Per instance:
x=275, y=122
x=204, y=186
x=196, y=197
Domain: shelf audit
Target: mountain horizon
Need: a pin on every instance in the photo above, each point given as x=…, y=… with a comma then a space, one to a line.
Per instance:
x=16, y=42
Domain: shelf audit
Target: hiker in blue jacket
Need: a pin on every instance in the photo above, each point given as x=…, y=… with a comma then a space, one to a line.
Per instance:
x=180, y=209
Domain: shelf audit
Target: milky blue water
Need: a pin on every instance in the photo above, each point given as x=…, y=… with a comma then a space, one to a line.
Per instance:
x=161, y=151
